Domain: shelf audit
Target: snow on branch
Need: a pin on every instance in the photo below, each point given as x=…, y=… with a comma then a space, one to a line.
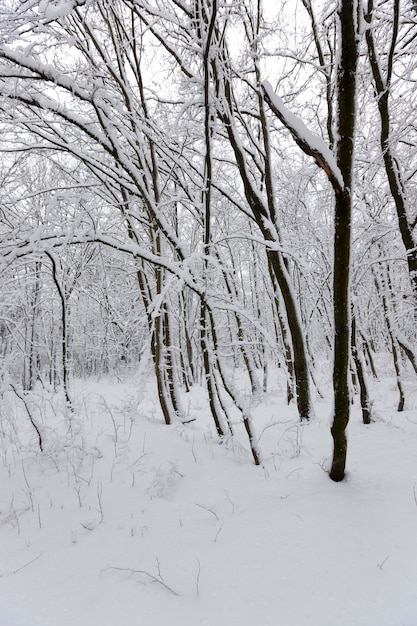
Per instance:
x=310, y=144
x=21, y=60
x=56, y=10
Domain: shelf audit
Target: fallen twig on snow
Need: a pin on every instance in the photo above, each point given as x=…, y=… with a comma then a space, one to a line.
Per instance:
x=155, y=579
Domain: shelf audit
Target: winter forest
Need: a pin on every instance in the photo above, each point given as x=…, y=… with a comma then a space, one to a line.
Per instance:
x=208, y=374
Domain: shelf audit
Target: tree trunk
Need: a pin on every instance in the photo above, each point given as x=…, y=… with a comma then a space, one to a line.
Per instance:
x=346, y=105
x=395, y=178
x=283, y=329
x=64, y=329
x=395, y=348
x=33, y=347
x=360, y=371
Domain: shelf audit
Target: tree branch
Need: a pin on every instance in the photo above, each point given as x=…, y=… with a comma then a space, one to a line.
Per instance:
x=310, y=144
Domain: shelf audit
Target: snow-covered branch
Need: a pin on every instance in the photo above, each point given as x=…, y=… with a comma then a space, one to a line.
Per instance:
x=310, y=144
x=39, y=70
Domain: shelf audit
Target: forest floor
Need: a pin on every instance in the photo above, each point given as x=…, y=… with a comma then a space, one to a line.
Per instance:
x=123, y=520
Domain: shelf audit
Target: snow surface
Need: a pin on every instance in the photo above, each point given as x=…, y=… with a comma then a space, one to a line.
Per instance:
x=123, y=520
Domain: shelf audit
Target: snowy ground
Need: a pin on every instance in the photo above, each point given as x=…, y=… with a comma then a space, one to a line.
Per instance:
x=126, y=521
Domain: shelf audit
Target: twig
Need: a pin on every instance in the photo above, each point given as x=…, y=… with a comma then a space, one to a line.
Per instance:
x=26, y=564
x=323, y=465
x=90, y=526
x=218, y=531
x=78, y=492
x=115, y=427
x=297, y=469
x=234, y=507
x=99, y=498
x=209, y=510
x=381, y=565
x=197, y=582
x=155, y=579
x=30, y=492
x=277, y=423
x=13, y=516
x=26, y=478
x=193, y=452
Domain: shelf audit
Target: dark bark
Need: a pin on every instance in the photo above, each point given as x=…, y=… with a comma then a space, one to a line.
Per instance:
x=171, y=367
x=215, y=401
x=408, y=351
x=244, y=410
x=395, y=178
x=301, y=370
x=30, y=416
x=346, y=105
x=159, y=366
x=368, y=355
x=289, y=360
x=395, y=349
x=345, y=126
x=33, y=348
x=264, y=213
x=64, y=329
x=360, y=371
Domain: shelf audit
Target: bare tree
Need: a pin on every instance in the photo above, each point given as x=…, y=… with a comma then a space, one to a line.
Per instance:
x=387, y=81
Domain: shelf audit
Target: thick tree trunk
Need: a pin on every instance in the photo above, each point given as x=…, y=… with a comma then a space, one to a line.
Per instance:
x=341, y=336
x=346, y=101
